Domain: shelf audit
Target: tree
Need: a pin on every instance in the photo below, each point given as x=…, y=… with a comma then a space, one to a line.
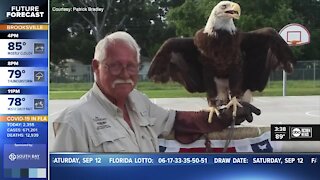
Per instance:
x=193, y=14
x=75, y=34
x=68, y=37
x=94, y=18
x=309, y=11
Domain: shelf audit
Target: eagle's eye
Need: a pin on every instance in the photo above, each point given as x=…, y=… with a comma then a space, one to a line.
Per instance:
x=223, y=6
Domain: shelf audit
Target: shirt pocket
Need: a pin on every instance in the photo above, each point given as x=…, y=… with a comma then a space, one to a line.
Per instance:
x=148, y=136
x=110, y=141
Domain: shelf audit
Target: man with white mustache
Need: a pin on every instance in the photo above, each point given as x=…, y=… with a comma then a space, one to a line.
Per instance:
x=114, y=117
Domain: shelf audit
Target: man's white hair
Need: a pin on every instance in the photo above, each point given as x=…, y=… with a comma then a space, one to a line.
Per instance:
x=100, y=50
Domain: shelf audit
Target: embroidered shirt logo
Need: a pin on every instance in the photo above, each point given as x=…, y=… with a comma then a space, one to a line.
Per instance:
x=101, y=123
x=99, y=118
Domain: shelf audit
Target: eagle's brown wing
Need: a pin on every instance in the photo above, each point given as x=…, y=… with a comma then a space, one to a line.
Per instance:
x=177, y=59
x=263, y=50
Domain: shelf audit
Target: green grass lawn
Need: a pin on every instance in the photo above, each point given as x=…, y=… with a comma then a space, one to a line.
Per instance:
x=171, y=90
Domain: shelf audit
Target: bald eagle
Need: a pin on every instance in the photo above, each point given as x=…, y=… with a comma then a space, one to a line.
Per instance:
x=221, y=60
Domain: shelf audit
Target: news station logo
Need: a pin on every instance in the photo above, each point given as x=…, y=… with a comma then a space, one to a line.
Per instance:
x=301, y=132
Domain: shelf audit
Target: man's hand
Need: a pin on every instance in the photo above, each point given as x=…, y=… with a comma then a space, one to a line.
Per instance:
x=190, y=126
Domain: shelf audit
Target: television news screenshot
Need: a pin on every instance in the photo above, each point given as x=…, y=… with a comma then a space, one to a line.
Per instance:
x=159, y=89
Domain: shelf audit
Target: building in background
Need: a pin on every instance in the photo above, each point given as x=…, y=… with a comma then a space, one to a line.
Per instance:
x=71, y=70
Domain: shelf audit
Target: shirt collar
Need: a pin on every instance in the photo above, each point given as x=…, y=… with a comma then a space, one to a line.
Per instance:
x=108, y=104
x=103, y=99
x=131, y=105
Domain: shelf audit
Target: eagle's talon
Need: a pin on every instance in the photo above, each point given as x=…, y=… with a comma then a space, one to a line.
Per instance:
x=235, y=103
x=211, y=111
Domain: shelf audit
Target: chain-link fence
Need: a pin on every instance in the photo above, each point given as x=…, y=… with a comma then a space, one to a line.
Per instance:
x=303, y=70
x=71, y=71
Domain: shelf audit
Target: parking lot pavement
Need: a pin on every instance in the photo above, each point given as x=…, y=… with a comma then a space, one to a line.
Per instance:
x=275, y=110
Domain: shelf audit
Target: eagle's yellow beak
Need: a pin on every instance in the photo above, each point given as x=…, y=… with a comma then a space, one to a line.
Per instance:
x=234, y=11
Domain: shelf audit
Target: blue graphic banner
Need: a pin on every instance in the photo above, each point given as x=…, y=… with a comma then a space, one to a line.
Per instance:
x=188, y=166
x=24, y=89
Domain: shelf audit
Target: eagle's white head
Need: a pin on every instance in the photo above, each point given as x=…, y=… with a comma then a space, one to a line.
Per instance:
x=222, y=16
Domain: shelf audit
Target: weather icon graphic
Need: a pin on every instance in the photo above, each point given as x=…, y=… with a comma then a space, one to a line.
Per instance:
x=38, y=76
x=38, y=48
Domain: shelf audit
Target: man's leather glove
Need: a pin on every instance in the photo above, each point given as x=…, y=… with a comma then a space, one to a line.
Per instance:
x=190, y=126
